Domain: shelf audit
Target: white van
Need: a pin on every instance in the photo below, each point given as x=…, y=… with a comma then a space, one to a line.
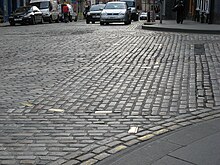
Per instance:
x=48, y=8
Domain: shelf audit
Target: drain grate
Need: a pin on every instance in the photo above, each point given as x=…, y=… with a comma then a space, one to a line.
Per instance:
x=199, y=49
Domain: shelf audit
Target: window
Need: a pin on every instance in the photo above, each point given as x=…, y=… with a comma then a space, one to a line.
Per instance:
x=41, y=5
x=115, y=6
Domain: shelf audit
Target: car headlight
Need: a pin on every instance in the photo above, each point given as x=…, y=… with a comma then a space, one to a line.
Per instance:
x=121, y=13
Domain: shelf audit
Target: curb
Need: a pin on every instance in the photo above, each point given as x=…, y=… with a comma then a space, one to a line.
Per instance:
x=182, y=30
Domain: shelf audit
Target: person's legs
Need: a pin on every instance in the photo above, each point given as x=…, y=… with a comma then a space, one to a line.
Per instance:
x=178, y=18
x=66, y=17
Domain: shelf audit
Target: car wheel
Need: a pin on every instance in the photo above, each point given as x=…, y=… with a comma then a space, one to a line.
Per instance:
x=71, y=19
x=75, y=19
x=58, y=19
x=33, y=22
x=50, y=19
x=101, y=23
x=42, y=20
x=126, y=22
x=12, y=23
x=87, y=21
x=136, y=18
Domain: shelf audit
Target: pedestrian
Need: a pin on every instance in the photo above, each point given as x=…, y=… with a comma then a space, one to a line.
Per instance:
x=179, y=8
x=86, y=8
x=66, y=13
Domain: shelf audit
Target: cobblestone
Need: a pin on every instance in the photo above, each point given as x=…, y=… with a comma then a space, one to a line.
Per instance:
x=105, y=81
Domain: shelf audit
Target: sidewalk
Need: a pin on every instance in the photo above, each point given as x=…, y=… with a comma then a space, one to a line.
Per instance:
x=187, y=27
x=196, y=144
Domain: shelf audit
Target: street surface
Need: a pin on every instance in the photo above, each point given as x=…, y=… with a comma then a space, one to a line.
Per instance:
x=71, y=92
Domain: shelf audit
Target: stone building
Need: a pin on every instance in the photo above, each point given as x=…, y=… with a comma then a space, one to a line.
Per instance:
x=204, y=11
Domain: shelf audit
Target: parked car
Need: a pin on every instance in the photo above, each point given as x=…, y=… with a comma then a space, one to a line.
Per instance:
x=48, y=8
x=143, y=16
x=26, y=15
x=1, y=16
x=115, y=12
x=94, y=13
x=72, y=15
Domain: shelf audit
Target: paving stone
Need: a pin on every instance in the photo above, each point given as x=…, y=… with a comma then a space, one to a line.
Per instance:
x=127, y=138
x=89, y=162
x=117, y=149
x=71, y=162
x=155, y=128
x=100, y=149
x=58, y=162
x=90, y=147
x=132, y=142
x=7, y=162
x=73, y=155
x=85, y=157
x=102, y=156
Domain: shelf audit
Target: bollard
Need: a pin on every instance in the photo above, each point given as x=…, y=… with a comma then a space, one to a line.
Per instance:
x=148, y=16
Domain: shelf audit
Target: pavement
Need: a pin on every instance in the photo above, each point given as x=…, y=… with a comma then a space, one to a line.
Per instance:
x=197, y=144
x=188, y=26
x=105, y=102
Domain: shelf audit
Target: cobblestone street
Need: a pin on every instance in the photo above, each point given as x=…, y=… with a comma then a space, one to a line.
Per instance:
x=76, y=93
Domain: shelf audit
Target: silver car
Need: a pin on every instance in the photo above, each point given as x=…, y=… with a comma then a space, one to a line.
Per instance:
x=115, y=12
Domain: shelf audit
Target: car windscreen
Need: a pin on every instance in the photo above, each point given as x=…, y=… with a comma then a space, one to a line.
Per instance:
x=41, y=5
x=22, y=9
x=115, y=6
x=96, y=7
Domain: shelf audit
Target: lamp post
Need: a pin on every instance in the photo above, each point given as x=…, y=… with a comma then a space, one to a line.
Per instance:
x=148, y=13
x=153, y=15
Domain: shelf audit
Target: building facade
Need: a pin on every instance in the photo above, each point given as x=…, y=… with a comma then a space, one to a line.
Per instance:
x=204, y=11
